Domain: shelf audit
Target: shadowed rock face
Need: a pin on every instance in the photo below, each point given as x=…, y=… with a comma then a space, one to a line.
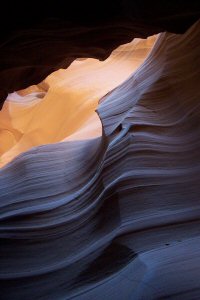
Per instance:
x=39, y=38
x=115, y=216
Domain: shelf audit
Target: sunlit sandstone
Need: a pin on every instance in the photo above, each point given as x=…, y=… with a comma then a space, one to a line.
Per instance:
x=63, y=106
x=114, y=216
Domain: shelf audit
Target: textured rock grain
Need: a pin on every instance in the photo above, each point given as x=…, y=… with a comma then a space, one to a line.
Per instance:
x=70, y=210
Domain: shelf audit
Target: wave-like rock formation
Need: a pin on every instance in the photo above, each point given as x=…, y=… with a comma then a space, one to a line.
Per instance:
x=39, y=37
x=115, y=216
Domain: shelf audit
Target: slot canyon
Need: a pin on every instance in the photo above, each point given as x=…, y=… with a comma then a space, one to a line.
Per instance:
x=100, y=150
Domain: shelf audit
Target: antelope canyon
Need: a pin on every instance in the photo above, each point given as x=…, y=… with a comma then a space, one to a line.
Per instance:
x=99, y=152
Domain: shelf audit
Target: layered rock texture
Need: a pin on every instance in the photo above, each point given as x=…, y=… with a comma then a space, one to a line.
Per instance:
x=109, y=213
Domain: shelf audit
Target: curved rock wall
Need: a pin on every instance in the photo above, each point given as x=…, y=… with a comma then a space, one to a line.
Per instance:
x=117, y=216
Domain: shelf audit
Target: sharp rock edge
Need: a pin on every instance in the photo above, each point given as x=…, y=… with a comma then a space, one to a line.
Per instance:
x=121, y=222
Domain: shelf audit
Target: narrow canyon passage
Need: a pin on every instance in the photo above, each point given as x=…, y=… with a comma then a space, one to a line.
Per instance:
x=99, y=178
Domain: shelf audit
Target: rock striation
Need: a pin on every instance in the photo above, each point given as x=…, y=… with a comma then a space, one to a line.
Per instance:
x=115, y=216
